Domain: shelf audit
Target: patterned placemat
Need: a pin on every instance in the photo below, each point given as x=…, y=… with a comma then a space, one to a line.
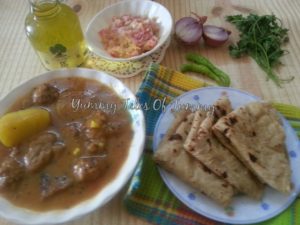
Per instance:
x=126, y=69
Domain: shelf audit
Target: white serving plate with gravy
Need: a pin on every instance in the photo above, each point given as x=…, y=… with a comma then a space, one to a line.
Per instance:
x=27, y=216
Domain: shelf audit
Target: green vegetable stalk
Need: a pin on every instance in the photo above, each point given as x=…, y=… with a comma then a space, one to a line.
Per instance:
x=261, y=37
x=202, y=65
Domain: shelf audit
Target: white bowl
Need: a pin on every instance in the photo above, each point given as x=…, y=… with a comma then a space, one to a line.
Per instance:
x=26, y=216
x=149, y=9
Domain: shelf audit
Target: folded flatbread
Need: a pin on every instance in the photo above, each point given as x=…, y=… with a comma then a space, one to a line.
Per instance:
x=221, y=107
x=255, y=135
x=171, y=156
x=205, y=147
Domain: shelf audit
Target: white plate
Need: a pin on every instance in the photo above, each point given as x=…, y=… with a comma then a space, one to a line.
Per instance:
x=26, y=216
x=243, y=210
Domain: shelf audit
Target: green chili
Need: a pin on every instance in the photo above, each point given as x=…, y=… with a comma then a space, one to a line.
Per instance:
x=200, y=60
x=201, y=69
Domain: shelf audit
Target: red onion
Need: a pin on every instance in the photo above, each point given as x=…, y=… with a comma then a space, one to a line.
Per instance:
x=215, y=36
x=189, y=30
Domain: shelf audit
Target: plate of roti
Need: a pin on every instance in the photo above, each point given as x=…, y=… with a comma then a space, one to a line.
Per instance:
x=228, y=155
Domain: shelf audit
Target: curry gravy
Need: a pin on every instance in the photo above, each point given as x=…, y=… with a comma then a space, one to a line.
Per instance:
x=27, y=191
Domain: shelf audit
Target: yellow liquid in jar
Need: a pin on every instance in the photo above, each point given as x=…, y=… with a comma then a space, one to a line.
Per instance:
x=55, y=33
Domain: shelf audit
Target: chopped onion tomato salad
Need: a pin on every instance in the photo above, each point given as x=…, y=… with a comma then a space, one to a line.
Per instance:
x=129, y=36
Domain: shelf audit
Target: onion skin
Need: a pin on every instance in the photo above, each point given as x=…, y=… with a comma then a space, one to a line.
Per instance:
x=215, y=36
x=189, y=30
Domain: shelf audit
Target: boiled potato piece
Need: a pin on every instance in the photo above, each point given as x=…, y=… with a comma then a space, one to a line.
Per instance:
x=16, y=127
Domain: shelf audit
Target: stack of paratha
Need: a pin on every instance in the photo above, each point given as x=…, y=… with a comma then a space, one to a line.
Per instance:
x=225, y=152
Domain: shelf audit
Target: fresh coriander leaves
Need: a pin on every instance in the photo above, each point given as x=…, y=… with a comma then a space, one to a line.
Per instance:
x=261, y=38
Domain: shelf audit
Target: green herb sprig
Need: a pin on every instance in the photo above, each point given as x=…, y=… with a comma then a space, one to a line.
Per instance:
x=261, y=37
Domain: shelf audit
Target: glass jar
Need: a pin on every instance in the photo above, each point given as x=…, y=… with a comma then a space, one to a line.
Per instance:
x=54, y=31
